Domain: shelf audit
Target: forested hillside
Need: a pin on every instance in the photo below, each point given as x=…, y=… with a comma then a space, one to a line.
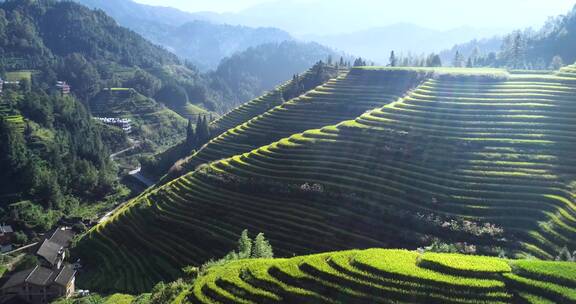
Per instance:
x=57, y=163
x=54, y=158
x=187, y=35
x=245, y=61
x=548, y=48
x=263, y=67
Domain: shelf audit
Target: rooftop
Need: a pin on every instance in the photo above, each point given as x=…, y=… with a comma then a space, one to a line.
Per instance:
x=49, y=250
x=51, y=246
x=41, y=276
x=6, y=229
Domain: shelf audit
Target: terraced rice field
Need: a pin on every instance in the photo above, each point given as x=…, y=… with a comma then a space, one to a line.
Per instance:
x=19, y=75
x=264, y=103
x=458, y=148
x=150, y=119
x=11, y=116
x=343, y=98
x=381, y=276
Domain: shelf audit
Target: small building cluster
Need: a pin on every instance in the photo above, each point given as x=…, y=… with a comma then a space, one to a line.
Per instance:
x=52, y=278
x=63, y=87
x=7, y=83
x=6, y=238
x=123, y=123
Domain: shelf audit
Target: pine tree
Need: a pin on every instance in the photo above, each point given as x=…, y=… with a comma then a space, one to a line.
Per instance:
x=359, y=62
x=262, y=248
x=190, y=135
x=342, y=63
x=469, y=63
x=393, y=60
x=202, y=131
x=475, y=55
x=244, y=245
x=517, y=51
x=458, y=60
x=434, y=61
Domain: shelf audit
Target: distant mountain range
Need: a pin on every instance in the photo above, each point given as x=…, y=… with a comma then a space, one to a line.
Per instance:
x=205, y=38
x=190, y=36
x=377, y=43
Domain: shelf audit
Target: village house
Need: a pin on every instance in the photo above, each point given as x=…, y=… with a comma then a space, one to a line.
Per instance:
x=122, y=123
x=63, y=87
x=6, y=235
x=6, y=238
x=52, y=278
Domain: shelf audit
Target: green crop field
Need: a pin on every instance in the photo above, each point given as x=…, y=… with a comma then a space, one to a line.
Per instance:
x=342, y=98
x=258, y=106
x=374, y=276
x=11, y=116
x=378, y=157
x=19, y=75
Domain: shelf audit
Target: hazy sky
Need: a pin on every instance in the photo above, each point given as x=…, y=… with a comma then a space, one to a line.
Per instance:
x=439, y=14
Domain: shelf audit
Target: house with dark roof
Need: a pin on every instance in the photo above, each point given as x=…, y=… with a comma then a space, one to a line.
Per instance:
x=49, y=280
x=52, y=251
x=6, y=234
x=40, y=285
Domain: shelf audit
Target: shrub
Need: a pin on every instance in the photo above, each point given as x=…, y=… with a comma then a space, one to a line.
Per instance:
x=20, y=238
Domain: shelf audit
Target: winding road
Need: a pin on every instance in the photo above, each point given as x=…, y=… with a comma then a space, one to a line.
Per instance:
x=136, y=174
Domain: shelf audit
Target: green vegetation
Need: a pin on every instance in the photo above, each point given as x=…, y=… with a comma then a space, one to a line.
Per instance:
x=160, y=164
x=19, y=75
x=151, y=121
x=339, y=99
x=465, y=158
x=55, y=161
x=370, y=276
x=112, y=299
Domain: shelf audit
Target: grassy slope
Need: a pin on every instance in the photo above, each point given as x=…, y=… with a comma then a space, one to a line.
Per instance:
x=380, y=276
x=151, y=120
x=482, y=148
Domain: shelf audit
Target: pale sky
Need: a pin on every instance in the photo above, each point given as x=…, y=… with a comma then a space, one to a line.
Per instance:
x=438, y=14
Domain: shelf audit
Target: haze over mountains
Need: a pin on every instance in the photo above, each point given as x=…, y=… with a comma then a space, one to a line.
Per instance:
x=205, y=38
x=377, y=43
x=372, y=29
x=187, y=35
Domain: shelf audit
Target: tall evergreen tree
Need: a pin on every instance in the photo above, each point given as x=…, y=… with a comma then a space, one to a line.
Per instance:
x=244, y=245
x=433, y=60
x=393, y=59
x=190, y=135
x=518, y=51
x=458, y=60
x=262, y=248
x=13, y=150
x=202, y=131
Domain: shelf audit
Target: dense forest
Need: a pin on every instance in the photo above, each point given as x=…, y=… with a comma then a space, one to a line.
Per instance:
x=55, y=161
